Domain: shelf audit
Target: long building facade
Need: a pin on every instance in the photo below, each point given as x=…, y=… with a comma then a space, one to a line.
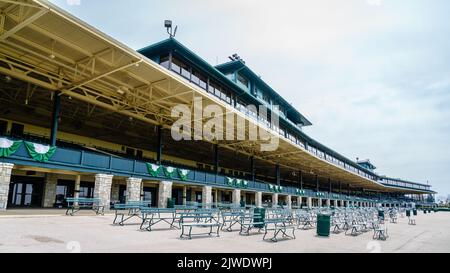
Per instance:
x=82, y=115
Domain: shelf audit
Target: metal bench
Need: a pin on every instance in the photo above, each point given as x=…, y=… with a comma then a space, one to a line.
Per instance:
x=153, y=216
x=278, y=225
x=379, y=232
x=355, y=229
x=76, y=204
x=393, y=217
x=307, y=220
x=128, y=210
x=249, y=221
x=231, y=218
x=338, y=224
x=199, y=220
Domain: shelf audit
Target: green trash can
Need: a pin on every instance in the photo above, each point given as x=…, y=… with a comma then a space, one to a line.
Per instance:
x=381, y=214
x=323, y=225
x=408, y=213
x=424, y=211
x=415, y=212
x=259, y=216
x=170, y=203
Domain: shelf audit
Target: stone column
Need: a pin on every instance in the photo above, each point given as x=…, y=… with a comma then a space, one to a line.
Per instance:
x=102, y=189
x=51, y=181
x=193, y=197
x=274, y=199
x=289, y=201
x=236, y=197
x=77, y=186
x=258, y=199
x=216, y=198
x=164, y=193
x=219, y=196
x=206, y=196
x=115, y=190
x=5, y=180
x=184, y=195
x=76, y=193
x=309, y=202
x=320, y=202
x=328, y=203
x=133, y=189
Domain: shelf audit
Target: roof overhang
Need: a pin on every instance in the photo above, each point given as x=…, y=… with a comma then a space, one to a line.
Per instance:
x=44, y=45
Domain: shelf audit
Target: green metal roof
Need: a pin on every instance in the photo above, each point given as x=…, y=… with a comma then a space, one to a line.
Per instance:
x=238, y=65
x=177, y=47
x=217, y=73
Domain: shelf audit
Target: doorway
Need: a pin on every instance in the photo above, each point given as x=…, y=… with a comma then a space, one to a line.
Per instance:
x=25, y=192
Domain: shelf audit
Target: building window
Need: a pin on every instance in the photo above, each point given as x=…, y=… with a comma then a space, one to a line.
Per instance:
x=139, y=154
x=181, y=68
x=3, y=127
x=130, y=152
x=164, y=60
x=17, y=130
x=242, y=80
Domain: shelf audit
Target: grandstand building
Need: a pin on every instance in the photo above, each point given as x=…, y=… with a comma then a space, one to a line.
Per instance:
x=82, y=115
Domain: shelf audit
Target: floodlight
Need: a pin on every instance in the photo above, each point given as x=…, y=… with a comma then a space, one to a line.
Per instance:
x=168, y=26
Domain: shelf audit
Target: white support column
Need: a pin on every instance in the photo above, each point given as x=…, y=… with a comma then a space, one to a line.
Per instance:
x=76, y=194
x=216, y=198
x=274, y=199
x=193, y=195
x=102, y=189
x=206, y=196
x=243, y=197
x=289, y=201
x=309, y=202
x=133, y=189
x=236, y=197
x=51, y=181
x=164, y=193
x=219, y=196
x=5, y=180
x=77, y=186
x=320, y=202
x=328, y=203
x=258, y=199
x=184, y=195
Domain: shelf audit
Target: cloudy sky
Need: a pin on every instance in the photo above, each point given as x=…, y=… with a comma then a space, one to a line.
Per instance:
x=372, y=75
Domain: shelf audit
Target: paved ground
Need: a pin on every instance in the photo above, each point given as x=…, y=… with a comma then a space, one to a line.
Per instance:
x=49, y=231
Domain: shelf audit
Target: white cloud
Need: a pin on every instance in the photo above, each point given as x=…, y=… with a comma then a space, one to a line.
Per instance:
x=73, y=2
x=374, y=2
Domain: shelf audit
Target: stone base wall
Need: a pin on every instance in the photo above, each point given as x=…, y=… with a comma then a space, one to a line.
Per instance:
x=164, y=192
x=134, y=189
x=102, y=189
x=51, y=181
x=5, y=180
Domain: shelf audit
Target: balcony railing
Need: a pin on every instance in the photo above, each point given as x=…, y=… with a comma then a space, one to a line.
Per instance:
x=92, y=162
